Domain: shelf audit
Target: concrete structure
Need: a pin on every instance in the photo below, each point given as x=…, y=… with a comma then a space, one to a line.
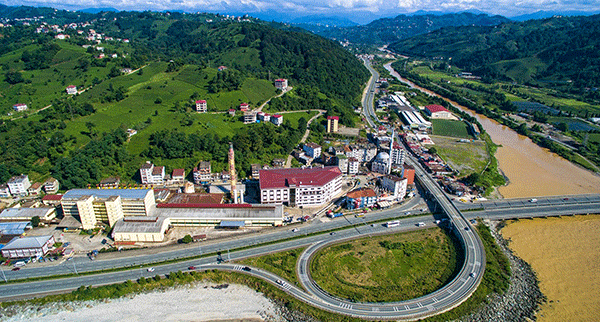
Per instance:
x=408, y=173
x=395, y=185
x=415, y=121
x=281, y=83
x=397, y=154
x=20, y=107
x=51, y=185
x=96, y=206
x=110, y=183
x=249, y=117
x=277, y=119
x=34, y=189
x=313, y=150
x=342, y=163
x=18, y=185
x=151, y=174
x=300, y=187
x=201, y=106
x=437, y=112
x=332, y=124
x=178, y=176
x=202, y=173
x=353, y=165
x=45, y=214
x=27, y=247
x=4, y=191
x=71, y=89
x=140, y=229
x=361, y=198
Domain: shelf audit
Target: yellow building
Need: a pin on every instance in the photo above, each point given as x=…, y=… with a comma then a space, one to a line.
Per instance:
x=332, y=124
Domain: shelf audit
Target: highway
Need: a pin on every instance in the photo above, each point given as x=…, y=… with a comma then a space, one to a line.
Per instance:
x=369, y=96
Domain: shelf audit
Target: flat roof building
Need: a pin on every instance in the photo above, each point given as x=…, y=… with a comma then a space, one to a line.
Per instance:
x=28, y=247
x=46, y=214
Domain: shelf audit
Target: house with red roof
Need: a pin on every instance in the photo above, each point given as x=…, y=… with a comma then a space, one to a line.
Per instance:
x=201, y=106
x=361, y=198
x=437, y=112
x=281, y=83
x=244, y=107
x=178, y=175
x=277, y=119
x=71, y=89
x=308, y=187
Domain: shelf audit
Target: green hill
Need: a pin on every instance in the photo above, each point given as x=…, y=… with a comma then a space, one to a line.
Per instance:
x=557, y=52
x=155, y=66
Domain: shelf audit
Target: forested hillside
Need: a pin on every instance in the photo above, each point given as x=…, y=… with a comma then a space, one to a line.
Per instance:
x=143, y=71
x=559, y=52
x=388, y=30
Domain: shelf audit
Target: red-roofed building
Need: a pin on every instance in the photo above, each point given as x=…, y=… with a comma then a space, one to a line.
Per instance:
x=178, y=175
x=244, y=107
x=277, y=119
x=52, y=200
x=437, y=112
x=71, y=89
x=201, y=106
x=231, y=112
x=332, y=124
x=300, y=187
x=281, y=83
x=361, y=198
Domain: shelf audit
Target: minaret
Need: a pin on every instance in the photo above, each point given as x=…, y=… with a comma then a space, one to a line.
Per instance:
x=232, y=174
x=390, y=162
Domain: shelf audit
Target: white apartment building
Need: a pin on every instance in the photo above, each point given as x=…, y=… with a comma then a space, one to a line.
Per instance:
x=313, y=150
x=201, y=106
x=300, y=187
x=395, y=185
x=150, y=174
x=18, y=185
x=353, y=165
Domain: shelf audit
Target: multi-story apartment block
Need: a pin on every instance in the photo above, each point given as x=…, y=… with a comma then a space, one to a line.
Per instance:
x=313, y=150
x=300, y=187
x=353, y=165
x=201, y=106
x=332, y=124
x=202, y=173
x=151, y=174
x=395, y=185
x=281, y=83
x=18, y=185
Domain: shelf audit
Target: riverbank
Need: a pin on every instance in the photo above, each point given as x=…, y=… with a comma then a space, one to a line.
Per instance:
x=564, y=254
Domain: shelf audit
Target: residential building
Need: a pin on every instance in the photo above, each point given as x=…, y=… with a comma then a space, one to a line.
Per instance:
x=244, y=107
x=178, y=176
x=437, y=112
x=397, y=154
x=4, y=191
x=202, y=173
x=96, y=206
x=111, y=182
x=332, y=124
x=300, y=187
x=336, y=149
x=277, y=119
x=395, y=185
x=278, y=163
x=342, y=163
x=20, y=107
x=249, y=117
x=150, y=174
x=71, y=89
x=18, y=185
x=231, y=112
x=313, y=150
x=158, y=175
x=201, y=106
x=35, y=189
x=266, y=117
x=408, y=173
x=353, y=165
x=281, y=83
x=51, y=185
x=255, y=170
x=35, y=246
x=361, y=198
x=52, y=200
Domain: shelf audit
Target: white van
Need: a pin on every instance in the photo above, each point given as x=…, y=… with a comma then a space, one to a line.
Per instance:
x=420, y=224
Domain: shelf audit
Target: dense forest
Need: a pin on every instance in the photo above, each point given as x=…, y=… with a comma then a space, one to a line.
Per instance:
x=561, y=52
x=81, y=139
x=388, y=30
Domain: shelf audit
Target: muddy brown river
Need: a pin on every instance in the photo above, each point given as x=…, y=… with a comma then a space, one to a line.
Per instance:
x=530, y=169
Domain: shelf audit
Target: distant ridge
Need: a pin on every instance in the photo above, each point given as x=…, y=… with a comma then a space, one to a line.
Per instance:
x=97, y=10
x=549, y=14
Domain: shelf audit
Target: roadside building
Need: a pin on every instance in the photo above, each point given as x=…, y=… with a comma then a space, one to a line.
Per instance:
x=96, y=206
x=313, y=150
x=231, y=112
x=178, y=176
x=202, y=173
x=408, y=173
x=151, y=174
x=201, y=106
x=25, y=247
x=300, y=187
x=46, y=214
x=249, y=117
x=353, y=166
x=20, y=107
x=255, y=170
x=332, y=124
x=71, y=89
x=278, y=163
x=4, y=191
x=361, y=198
x=18, y=185
x=244, y=107
x=395, y=185
x=277, y=119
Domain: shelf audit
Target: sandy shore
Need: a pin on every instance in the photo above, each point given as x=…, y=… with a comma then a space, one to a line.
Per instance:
x=564, y=253
x=201, y=302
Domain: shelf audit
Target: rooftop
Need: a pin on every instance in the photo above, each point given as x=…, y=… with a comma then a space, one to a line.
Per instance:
x=158, y=170
x=436, y=108
x=179, y=172
x=105, y=193
x=280, y=178
x=361, y=193
x=196, y=198
x=27, y=242
x=222, y=212
x=17, y=179
x=10, y=213
x=52, y=197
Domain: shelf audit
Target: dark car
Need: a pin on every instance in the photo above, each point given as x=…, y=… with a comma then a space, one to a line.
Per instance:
x=246, y=268
x=192, y=267
x=16, y=268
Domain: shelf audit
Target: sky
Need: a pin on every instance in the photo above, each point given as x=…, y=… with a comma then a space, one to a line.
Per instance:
x=356, y=10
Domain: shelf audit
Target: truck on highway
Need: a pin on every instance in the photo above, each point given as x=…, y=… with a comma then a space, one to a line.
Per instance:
x=391, y=224
x=334, y=215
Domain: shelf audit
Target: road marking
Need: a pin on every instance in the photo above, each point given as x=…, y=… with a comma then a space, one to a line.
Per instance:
x=435, y=300
x=419, y=304
x=406, y=307
x=395, y=309
x=429, y=307
x=450, y=291
x=345, y=305
x=237, y=267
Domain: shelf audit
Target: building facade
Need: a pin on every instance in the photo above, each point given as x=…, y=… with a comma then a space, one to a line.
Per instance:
x=281, y=83
x=25, y=247
x=332, y=124
x=202, y=173
x=313, y=150
x=201, y=106
x=300, y=187
x=395, y=185
x=361, y=198
x=18, y=185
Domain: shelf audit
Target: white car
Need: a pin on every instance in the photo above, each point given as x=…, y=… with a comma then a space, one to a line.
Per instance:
x=150, y=269
x=295, y=230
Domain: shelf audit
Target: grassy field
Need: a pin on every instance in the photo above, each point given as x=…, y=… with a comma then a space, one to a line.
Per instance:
x=386, y=268
x=466, y=157
x=453, y=128
x=282, y=264
x=564, y=254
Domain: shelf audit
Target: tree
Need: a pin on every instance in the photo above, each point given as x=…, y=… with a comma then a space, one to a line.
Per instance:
x=35, y=221
x=562, y=126
x=433, y=150
x=158, y=100
x=187, y=239
x=14, y=77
